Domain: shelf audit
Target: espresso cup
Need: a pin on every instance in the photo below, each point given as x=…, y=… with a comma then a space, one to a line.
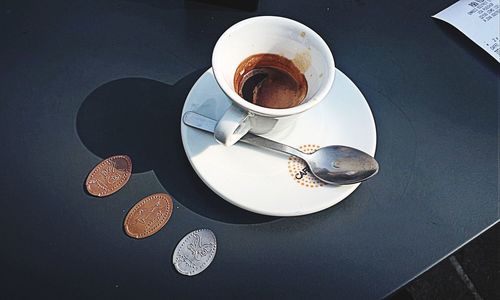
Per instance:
x=273, y=35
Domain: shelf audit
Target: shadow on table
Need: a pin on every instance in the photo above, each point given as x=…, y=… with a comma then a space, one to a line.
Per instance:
x=141, y=118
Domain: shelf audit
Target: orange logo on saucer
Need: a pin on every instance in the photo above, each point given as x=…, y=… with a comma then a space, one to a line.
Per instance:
x=300, y=171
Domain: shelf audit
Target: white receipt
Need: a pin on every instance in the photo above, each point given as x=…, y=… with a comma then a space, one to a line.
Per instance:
x=478, y=20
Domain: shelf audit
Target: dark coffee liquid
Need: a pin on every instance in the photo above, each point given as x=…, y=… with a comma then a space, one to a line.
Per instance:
x=270, y=80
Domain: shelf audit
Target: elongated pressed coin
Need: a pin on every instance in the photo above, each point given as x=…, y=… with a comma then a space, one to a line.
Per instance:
x=109, y=176
x=195, y=252
x=148, y=216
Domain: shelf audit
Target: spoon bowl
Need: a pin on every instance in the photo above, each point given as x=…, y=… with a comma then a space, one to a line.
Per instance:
x=341, y=164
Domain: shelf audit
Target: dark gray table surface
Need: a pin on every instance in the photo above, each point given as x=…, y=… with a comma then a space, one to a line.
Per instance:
x=82, y=80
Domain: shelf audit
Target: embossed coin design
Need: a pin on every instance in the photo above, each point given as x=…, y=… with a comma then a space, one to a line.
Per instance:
x=109, y=176
x=148, y=216
x=195, y=252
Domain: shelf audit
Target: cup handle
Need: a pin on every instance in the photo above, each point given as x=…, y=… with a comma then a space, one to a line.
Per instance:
x=233, y=125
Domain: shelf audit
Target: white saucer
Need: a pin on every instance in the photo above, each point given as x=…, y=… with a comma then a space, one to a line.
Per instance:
x=265, y=182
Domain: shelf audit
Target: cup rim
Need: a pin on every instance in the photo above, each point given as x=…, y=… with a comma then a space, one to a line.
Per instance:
x=275, y=112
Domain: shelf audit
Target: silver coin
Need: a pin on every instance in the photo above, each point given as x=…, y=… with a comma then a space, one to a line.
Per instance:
x=195, y=252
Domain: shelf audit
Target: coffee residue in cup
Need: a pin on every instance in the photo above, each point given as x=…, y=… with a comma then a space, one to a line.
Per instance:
x=270, y=80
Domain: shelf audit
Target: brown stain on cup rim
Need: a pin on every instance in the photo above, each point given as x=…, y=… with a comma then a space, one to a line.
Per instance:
x=302, y=60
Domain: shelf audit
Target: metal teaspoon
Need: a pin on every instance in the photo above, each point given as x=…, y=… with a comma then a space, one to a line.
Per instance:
x=332, y=164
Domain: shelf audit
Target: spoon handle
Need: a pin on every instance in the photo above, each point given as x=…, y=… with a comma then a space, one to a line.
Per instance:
x=196, y=120
x=259, y=141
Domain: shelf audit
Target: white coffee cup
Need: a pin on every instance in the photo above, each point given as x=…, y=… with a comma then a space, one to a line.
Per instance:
x=275, y=35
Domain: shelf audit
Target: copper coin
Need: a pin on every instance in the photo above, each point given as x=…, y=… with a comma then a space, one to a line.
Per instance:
x=148, y=216
x=109, y=176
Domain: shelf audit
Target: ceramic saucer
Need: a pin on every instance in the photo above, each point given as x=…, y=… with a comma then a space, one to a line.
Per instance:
x=269, y=183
